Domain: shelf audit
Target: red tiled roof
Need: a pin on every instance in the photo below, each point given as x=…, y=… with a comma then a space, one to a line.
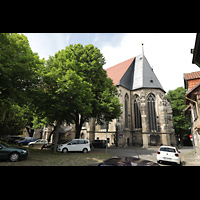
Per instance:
x=117, y=71
x=192, y=75
x=192, y=89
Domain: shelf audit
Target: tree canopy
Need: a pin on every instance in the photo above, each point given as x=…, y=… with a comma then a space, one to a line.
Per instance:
x=70, y=86
x=181, y=122
x=18, y=76
x=75, y=88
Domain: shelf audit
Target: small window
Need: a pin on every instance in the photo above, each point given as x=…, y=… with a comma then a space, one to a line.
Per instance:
x=167, y=149
x=80, y=141
x=74, y=142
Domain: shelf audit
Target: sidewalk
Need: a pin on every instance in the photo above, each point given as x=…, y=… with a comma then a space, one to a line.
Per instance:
x=191, y=159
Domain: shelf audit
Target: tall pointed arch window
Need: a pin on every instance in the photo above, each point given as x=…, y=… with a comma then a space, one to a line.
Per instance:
x=126, y=110
x=137, y=113
x=152, y=113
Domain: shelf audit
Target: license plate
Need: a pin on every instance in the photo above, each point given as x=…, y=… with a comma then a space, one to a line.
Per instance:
x=166, y=158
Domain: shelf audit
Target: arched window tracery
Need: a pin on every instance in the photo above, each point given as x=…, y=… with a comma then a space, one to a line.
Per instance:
x=126, y=110
x=137, y=113
x=152, y=113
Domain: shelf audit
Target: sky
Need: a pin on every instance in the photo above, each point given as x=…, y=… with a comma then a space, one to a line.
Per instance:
x=168, y=53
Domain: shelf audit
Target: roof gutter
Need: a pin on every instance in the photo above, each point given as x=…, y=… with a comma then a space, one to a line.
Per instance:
x=196, y=105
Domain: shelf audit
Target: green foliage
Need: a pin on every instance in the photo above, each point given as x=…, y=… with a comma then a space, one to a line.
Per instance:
x=70, y=86
x=18, y=66
x=13, y=119
x=76, y=87
x=18, y=78
x=181, y=122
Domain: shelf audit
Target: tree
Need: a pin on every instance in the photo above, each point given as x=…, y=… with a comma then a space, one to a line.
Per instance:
x=13, y=119
x=76, y=87
x=181, y=122
x=18, y=78
x=18, y=67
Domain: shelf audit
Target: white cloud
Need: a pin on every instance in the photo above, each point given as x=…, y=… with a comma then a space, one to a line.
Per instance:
x=168, y=53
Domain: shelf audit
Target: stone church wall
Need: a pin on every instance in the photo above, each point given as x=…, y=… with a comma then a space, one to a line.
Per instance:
x=127, y=134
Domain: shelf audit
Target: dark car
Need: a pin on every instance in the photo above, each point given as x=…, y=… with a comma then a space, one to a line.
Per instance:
x=11, y=153
x=26, y=141
x=10, y=139
x=99, y=143
x=127, y=161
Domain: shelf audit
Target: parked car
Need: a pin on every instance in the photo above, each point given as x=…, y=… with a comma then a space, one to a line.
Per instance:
x=99, y=143
x=13, y=154
x=26, y=141
x=17, y=140
x=38, y=142
x=127, y=161
x=169, y=154
x=10, y=139
x=75, y=145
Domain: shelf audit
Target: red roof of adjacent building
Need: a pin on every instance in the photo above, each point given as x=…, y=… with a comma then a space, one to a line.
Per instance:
x=192, y=75
x=191, y=79
x=117, y=71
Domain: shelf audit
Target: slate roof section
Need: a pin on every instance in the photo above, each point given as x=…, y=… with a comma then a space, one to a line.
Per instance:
x=133, y=74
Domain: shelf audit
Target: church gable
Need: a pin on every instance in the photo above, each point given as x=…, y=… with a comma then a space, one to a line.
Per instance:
x=133, y=74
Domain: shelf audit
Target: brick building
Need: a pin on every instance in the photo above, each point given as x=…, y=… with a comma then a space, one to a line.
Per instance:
x=192, y=96
x=192, y=99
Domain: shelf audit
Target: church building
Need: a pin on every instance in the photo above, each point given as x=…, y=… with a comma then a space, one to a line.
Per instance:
x=147, y=115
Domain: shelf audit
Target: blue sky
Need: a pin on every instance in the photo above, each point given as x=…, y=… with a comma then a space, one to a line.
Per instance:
x=168, y=53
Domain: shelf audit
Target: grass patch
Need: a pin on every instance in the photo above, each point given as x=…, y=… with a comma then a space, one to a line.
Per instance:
x=38, y=157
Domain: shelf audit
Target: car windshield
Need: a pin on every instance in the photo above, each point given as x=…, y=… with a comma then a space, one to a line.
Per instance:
x=167, y=149
x=4, y=144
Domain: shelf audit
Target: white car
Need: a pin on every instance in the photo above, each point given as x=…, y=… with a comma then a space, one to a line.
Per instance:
x=169, y=154
x=39, y=141
x=75, y=145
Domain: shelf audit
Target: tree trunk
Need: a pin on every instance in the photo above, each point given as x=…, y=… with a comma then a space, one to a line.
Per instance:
x=49, y=138
x=79, y=124
x=56, y=134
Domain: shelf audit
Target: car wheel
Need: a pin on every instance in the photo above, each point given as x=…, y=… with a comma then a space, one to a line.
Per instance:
x=14, y=157
x=85, y=150
x=31, y=145
x=65, y=150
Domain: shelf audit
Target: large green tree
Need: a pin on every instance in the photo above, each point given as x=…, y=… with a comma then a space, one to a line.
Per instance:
x=75, y=87
x=181, y=122
x=18, y=77
x=18, y=67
